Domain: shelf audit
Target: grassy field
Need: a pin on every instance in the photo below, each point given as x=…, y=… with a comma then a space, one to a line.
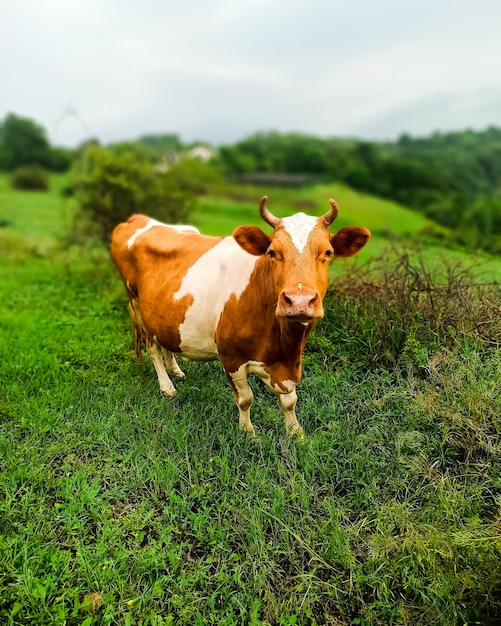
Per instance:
x=120, y=507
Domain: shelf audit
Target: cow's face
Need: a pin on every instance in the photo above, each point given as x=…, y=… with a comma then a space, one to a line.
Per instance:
x=298, y=254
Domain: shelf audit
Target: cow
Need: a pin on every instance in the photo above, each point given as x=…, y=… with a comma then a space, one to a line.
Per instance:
x=250, y=299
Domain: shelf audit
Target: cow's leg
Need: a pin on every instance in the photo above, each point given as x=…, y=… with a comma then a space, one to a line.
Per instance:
x=171, y=364
x=155, y=352
x=243, y=398
x=287, y=402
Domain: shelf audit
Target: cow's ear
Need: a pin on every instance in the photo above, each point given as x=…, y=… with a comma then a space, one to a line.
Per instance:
x=252, y=239
x=349, y=240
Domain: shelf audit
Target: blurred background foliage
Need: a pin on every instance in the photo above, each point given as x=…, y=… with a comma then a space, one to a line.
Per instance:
x=452, y=178
x=112, y=183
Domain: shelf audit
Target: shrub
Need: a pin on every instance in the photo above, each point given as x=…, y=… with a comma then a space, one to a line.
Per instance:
x=30, y=178
x=112, y=184
x=395, y=310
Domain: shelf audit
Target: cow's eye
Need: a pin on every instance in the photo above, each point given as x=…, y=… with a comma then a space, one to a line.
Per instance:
x=271, y=253
x=328, y=253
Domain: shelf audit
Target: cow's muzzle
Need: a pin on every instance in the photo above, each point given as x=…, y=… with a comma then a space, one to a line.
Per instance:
x=300, y=305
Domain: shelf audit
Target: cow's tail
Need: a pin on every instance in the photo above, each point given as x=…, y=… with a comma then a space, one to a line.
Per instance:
x=140, y=335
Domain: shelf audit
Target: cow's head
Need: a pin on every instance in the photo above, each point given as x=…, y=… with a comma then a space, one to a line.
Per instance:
x=298, y=253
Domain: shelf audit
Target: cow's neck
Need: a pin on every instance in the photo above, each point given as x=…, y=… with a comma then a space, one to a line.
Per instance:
x=292, y=335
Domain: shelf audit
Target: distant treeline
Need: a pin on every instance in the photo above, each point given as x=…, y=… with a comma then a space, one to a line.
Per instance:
x=454, y=178
x=23, y=142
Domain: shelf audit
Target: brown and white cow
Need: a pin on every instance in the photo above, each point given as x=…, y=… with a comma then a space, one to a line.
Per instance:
x=249, y=300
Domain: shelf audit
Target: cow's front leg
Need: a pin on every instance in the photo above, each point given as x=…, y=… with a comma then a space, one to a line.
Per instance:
x=155, y=352
x=287, y=402
x=243, y=397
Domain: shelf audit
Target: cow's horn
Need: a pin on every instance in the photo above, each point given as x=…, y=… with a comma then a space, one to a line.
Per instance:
x=331, y=215
x=265, y=214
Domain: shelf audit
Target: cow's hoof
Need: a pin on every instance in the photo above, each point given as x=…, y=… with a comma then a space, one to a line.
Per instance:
x=168, y=393
x=250, y=432
x=179, y=374
x=296, y=433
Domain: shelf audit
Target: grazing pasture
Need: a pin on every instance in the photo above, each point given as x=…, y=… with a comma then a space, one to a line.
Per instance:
x=118, y=506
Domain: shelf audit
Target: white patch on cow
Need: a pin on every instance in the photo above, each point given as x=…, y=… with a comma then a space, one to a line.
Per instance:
x=182, y=228
x=223, y=271
x=299, y=227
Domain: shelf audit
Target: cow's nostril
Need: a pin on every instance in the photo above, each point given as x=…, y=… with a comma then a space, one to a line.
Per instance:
x=299, y=303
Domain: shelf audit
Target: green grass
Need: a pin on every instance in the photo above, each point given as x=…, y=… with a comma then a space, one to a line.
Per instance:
x=35, y=219
x=387, y=513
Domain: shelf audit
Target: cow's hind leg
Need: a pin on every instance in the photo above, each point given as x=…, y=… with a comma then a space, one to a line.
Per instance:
x=154, y=349
x=155, y=352
x=171, y=364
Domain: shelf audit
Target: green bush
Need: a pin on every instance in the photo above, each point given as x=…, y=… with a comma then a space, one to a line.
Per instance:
x=30, y=178
x=113, y=183
x=395, y=309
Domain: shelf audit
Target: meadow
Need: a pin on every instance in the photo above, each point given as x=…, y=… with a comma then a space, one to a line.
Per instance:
x=118, y=506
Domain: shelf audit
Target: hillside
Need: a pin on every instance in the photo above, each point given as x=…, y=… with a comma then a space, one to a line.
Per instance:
x=454, y=178
x=390, y=223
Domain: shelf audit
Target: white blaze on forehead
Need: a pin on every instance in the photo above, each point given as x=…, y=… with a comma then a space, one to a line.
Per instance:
x=223, y=271
x=299, y=227
x=151, y=222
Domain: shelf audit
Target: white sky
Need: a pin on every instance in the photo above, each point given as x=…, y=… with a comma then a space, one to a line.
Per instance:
x=220, y=70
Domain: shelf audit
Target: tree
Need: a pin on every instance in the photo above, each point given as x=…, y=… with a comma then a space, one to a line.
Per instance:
x=163, y=144
x=113, y=183
x=22, y=142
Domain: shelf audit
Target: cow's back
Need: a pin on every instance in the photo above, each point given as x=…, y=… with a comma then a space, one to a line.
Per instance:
x=142, y=243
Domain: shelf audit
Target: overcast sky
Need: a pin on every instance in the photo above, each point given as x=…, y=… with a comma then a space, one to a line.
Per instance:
x=220, y=70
